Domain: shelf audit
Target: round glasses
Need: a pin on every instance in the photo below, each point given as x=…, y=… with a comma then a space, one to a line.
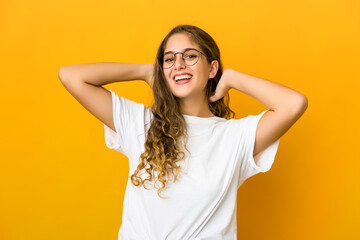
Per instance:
x=190, y=56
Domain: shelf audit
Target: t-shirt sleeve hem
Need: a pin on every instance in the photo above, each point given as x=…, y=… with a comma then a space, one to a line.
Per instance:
x=113, y=140
x=110, y=135
x=263, y=161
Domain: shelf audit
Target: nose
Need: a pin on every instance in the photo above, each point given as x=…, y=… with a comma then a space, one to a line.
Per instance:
x=179, y=62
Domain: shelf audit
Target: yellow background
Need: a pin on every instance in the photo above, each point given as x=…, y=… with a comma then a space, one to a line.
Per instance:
x=58, y=180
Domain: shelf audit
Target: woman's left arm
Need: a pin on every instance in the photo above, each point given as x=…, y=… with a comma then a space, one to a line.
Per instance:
x=285, y=105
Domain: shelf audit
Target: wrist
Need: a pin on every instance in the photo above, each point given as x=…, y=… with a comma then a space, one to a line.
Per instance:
x=229, y=76
x=147, y=72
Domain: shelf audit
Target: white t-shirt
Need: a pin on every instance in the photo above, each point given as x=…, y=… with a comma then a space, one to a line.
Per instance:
x=201, y=204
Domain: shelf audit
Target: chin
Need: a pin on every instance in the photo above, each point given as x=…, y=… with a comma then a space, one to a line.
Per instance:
x=180, y=95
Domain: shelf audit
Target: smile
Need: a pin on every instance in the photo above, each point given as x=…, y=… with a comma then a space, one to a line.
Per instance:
x=182, y=79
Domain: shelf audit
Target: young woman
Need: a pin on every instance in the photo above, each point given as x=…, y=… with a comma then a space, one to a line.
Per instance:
x=187, y=154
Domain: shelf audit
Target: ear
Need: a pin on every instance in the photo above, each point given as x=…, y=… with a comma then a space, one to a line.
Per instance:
x=214, y=66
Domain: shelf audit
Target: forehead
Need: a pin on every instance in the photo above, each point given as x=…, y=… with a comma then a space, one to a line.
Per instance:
x=179, y=42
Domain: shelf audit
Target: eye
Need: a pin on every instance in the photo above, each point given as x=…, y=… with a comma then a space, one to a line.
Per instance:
x=192, y=56
x=169, y=59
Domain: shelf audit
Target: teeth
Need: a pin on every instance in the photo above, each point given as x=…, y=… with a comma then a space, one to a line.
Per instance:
x=182, y=77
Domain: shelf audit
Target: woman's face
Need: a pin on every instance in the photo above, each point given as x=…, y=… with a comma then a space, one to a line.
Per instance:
x=200, y=72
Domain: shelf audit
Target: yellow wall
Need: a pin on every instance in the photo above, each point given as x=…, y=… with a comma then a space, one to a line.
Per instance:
x=59, y=180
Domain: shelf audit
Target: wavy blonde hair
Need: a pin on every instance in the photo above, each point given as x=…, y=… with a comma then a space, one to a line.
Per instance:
x=167, y=134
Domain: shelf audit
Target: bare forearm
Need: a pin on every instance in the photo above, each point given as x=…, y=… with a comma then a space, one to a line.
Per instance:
x=273, y=95
x=102, y=73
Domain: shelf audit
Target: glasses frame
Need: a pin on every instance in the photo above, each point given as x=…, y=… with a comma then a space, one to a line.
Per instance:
x=162, y=57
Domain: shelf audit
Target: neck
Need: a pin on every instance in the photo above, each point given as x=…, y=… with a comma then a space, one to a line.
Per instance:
x=195, y=107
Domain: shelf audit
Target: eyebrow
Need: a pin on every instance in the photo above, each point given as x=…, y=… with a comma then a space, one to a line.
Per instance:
x=182, y=50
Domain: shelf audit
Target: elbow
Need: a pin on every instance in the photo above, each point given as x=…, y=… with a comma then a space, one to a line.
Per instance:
x=66, y=75
x=303, y=103
x=299, y=105
x=61, y=74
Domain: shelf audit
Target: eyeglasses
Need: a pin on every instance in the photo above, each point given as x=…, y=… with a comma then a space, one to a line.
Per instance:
x=190, y=56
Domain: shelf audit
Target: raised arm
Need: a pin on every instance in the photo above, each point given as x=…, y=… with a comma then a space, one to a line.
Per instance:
x=84, y=82
x=285, y=105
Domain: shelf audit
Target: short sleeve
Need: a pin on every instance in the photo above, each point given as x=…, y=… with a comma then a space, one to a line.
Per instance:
x=125, y=115
x=263, y=161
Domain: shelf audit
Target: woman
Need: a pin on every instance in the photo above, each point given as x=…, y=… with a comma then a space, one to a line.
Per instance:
x=188, y=146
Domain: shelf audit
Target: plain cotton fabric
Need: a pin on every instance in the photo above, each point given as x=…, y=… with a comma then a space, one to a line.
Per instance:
x=201, y=204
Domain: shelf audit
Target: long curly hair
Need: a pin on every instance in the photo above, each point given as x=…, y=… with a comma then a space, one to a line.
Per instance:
x=167, y=135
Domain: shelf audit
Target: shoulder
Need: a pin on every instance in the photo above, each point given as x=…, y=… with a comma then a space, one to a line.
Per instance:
x=122, y=99
x=126, y=108
x=249, y=119
x=241, y=125
x=125, y=102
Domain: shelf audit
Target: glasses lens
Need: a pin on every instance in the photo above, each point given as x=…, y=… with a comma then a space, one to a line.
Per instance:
x=190, y=57
x=169, y=60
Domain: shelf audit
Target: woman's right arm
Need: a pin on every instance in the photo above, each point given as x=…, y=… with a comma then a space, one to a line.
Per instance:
x=84, y=82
